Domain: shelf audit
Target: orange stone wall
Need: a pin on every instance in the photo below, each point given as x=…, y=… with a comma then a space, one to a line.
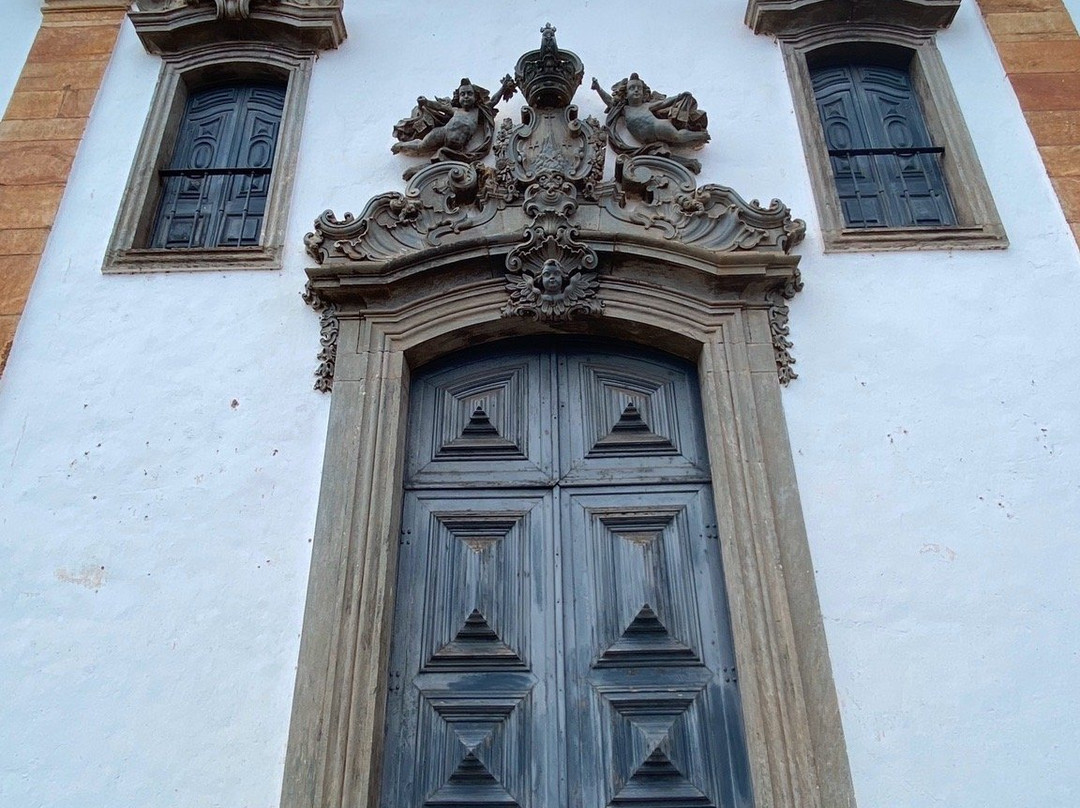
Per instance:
x=1040, y=49
x=39, y=134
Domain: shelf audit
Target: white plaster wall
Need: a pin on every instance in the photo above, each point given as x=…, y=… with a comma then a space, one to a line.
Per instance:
x=20, y=19
x=160, y=444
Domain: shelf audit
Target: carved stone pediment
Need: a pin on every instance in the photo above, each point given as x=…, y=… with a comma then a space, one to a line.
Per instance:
x=545, y=224
x=781, y=17
x=171, y=26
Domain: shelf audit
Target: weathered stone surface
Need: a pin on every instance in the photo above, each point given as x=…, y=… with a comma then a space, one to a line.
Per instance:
x=12, y=129
x=8, y=324
x=75, y=75
x=167, y=26
x=1041, y=57
x=40, y=163
x=68, y=43
x=23, y=242
x=1040, y=25
x=783, y=16
x=1039, y=92
x=16, y=276
x=29, y=207
x=1055, y=128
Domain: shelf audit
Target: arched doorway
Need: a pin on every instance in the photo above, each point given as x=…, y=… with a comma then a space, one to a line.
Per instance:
x=561, y=634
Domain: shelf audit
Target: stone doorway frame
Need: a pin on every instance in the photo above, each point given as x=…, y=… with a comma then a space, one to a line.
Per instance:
x=717, y=310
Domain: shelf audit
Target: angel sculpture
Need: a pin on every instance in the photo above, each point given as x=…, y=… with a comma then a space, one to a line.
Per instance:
x=458, y=128
x=654, y=120
x=552, y=293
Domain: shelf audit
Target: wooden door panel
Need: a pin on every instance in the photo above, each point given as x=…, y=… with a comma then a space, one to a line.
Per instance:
x=629, y=419
x=649, y=667
x=488, y=424
x=470, y=706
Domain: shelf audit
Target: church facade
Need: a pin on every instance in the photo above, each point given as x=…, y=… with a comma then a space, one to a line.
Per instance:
x=574, y=404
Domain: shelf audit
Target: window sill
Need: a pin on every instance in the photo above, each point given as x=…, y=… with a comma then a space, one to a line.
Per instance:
x=896, y=239
x=192, y=260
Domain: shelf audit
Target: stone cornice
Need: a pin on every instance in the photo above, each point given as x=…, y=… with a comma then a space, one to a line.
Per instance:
x=787, y=17
x=172, y=26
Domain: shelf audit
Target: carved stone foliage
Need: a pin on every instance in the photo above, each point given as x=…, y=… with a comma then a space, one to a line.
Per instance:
x=642, y=121
x=779, y=327
x=328, y=339
x=545, y=208
x=171, y=26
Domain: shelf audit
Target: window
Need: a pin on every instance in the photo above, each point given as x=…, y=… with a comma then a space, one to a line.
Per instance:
x=887, y=171
x=214, y=191
x=212, y=176
x=891, y=162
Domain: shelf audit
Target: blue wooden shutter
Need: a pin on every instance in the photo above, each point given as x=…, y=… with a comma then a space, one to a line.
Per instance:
x=215, y=189
x=887, y=170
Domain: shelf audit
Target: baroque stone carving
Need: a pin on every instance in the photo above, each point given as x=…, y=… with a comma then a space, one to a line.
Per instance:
x=779, y=327
x=173, y=26
x=459, y=128
x=545, y=209
x=655, y=121
x=548, y=274
x=328, y=338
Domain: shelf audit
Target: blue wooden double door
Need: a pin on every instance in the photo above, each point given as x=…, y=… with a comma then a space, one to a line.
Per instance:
x=561, y=635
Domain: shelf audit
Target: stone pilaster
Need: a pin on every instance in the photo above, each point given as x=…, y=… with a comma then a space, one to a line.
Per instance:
x=40, y=133
x=1040, y=49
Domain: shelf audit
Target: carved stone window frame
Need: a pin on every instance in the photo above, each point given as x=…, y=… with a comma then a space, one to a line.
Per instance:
x=179, y=74
x=211, y=41
x=803, y=28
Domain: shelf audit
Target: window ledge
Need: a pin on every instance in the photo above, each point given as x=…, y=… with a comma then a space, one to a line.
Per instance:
x=191, y=260
x=857, y=239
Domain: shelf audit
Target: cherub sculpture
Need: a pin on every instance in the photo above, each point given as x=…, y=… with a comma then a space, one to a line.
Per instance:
x=652, y=119
x=551, y=292
x=458, y=128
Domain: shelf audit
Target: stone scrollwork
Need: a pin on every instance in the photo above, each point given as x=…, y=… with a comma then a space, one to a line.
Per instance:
x=658, y=193
x=328, y=338
x=546, y=212
x=779, y=327
x=655, y=121
x=549, y=276
x=440, y=201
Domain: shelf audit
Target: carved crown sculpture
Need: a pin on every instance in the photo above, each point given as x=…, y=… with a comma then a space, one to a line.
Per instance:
x=548, y=77
x=545, y=208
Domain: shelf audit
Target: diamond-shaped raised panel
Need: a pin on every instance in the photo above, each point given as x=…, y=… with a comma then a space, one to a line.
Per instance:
x=482, y=417
x=628, y=416
x=473, y=731
x=484, y=423
x=475, y=647
x=637, y=417
x=659, y=784
x=646, y=641
x=471, y=784
x=474, y=618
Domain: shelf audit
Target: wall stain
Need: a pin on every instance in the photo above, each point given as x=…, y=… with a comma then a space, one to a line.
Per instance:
x=92, y=576
x=947, y=553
